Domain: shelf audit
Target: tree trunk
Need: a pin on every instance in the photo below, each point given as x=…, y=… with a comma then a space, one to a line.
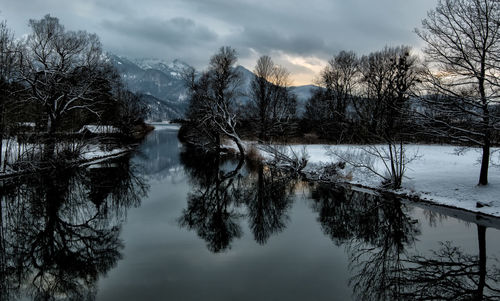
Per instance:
x=485, y=162
x=1, y=146
x=2, y=129
x=50, y=143
x=240, y=147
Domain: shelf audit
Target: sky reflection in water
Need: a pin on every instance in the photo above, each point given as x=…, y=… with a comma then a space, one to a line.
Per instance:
x=173, y=225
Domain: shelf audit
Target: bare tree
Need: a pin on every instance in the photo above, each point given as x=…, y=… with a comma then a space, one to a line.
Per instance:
x=329, y=111
x=8, y=55
x=212, y=110
x=317, y=111
x=388, y=77
x=130, y=112
x=340, y=78
x=64, y=71
x=463, y=48
x=272, y=103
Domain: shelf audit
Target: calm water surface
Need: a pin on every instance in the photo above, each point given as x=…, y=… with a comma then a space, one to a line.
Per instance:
x=169, y=225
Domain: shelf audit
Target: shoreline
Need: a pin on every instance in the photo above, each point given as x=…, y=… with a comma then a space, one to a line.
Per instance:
x=411, y=198
x=439, y=177
x=78, y=163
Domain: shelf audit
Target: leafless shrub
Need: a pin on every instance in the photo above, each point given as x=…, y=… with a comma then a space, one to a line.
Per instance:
x=388, y=162
x=285, y=157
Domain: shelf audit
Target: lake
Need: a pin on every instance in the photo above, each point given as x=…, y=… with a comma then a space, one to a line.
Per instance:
x=168, y=224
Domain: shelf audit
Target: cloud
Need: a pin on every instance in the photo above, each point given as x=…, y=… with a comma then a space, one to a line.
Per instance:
x=265, y=40
x=176, y=32
x=192, y=30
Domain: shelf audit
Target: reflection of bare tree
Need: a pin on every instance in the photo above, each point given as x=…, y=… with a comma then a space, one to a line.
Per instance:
x=267, y=196
x=212, y=207
x=215, y=207
x=434, y=217
x=60, y=231
x=451, y=274
x=376, y=231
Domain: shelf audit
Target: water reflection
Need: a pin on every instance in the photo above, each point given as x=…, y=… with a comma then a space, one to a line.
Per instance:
x=268, y=197
x=158, y=155
x=212, y=205
x=60, y=230
x=449, y=273
x=379, y=236
x=376, y=232
x=224, y=193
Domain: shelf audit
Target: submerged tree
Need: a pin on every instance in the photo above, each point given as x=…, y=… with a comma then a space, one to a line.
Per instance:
x=463, y=52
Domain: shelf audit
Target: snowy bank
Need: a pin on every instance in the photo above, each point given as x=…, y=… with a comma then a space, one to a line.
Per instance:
x=439, y=175
x=89, y=154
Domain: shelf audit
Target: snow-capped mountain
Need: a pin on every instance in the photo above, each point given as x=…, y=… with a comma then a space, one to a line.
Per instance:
x=161, y=85
x=174, y=68
x=161, y=81
x=153, y=77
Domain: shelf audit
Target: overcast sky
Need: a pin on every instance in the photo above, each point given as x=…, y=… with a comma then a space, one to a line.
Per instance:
x=301, y=35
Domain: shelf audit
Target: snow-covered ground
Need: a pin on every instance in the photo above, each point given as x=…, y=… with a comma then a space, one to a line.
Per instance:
x=91, y=152
x=165, y=125
x=438, y=175
x=13, y=151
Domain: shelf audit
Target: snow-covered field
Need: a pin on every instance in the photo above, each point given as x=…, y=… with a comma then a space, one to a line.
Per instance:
x=438, y=175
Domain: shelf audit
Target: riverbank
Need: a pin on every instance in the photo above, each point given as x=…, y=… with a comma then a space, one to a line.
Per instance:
x=438, y=176
x=92, y=155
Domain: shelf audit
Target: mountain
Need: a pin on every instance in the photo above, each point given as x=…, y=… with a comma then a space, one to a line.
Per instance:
x=174, y=68
x=163, y=109
x=303, y=94
x=160, y=85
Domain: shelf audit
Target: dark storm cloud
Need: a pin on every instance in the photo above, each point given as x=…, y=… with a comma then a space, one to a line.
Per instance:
x=266, y=40
x=176, y=32
x=298, y=34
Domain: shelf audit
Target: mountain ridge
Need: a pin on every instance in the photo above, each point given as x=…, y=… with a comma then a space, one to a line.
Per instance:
x=160, y=85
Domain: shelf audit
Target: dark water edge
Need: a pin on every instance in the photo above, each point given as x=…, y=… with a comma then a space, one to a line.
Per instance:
x=171, y=225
